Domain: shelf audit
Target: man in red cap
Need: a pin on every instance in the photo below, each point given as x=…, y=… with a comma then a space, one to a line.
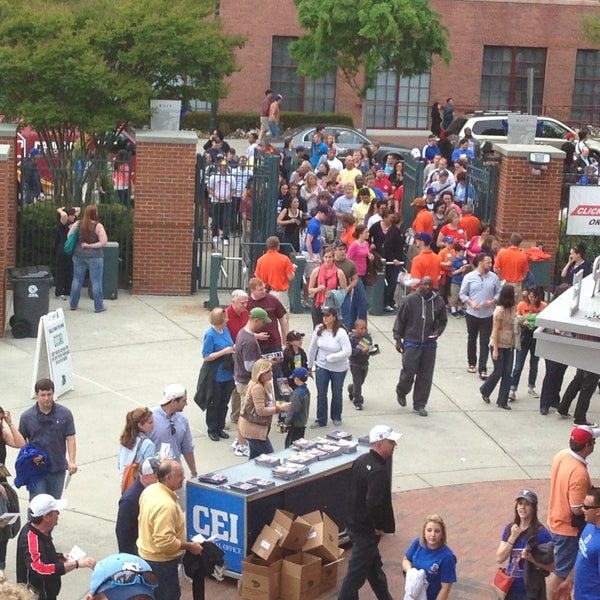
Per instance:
x=569, y=484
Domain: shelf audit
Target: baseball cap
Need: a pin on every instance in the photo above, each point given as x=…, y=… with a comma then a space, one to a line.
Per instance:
x=570, y=135
x=340, y=244
x=172, y=392
x=34, y=152
x=424, y=237
x=42, y=504
x=260, y=313
x=415, y=153
x=431, y=191
x=294, y=335
x=300, y=372
x=379, y=167
x=418, y=202
x=448, y=239
x=383, y=432
x=149, y=466
x=123, y=576
x=279, y=97
x=329, y=310
x=528, y=495
x=582, y=434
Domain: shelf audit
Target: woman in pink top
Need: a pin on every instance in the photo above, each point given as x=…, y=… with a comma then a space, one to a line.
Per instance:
x=359, y=252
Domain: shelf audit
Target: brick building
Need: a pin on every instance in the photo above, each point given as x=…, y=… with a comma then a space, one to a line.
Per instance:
x=492, y=43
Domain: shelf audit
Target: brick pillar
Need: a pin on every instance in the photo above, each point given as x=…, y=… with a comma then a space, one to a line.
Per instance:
x=164, y=212
x=8, y=209
x=529, y=204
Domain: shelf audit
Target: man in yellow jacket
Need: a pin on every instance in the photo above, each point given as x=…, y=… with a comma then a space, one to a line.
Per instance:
x=162, y=539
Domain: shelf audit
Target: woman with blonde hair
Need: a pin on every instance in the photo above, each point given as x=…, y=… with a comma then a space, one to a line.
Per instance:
x=136, y=445
x=88, y=255
x=258, y=408
x=430, y=552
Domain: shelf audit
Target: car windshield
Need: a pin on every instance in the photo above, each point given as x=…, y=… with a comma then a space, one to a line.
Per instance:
x=455, y=127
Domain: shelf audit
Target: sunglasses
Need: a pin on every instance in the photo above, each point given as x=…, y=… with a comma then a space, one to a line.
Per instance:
x=587, y=507
x=147, y=578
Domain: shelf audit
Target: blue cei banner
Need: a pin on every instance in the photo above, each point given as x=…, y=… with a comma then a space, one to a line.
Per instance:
x=215, y=513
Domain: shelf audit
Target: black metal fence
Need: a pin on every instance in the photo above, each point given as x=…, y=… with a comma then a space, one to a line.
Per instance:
x=482, y=188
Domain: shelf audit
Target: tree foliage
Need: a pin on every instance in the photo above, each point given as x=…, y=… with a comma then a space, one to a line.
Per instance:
x=92, y=66
x=360, y=37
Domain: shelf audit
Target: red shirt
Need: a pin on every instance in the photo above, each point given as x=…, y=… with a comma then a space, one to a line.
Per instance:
x=235, y=322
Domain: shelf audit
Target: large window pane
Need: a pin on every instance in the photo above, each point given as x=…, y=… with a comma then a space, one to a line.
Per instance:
x=586, y=86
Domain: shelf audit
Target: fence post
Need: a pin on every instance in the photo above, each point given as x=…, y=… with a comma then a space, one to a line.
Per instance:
x=295, y=291
x=216, y=261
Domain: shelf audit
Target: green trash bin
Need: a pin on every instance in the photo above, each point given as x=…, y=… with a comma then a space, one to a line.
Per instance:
x=375, y=295
x=31, y=298
x=541, y=271
x=110, y=273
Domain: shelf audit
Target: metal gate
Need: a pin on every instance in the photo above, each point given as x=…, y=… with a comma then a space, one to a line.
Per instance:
x=413, y=188
x=247, y=236
x=482, y=189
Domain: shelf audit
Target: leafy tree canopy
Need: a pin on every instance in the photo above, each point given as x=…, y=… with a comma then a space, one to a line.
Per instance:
x=361, y=37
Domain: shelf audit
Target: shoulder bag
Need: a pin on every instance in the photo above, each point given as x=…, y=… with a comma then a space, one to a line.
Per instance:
x=131, y=471
x=503, y=581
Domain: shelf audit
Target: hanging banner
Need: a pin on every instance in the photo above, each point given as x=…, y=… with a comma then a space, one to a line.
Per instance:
x=584, y=210
x=56, y=362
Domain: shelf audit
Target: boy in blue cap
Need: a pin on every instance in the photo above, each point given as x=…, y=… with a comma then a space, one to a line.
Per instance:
x=122, y=577
x=297, y=415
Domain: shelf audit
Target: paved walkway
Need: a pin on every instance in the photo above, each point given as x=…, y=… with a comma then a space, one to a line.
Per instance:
x=466, y=461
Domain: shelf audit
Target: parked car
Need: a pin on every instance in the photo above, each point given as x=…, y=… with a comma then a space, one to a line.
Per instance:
x=493, y=128
x=347, y=139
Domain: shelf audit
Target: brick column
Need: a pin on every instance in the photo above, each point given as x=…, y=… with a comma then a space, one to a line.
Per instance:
x=8, y=209
x=529, y=204
x=164, y=212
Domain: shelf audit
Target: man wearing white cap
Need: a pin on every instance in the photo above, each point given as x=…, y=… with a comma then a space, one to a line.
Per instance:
x=171, y=434
x=122, y=577
x=129, y=507
x=370, y=515
x=39, y=565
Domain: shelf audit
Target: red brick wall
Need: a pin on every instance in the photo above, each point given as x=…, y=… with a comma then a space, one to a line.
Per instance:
x=8, y=212
x=529, y=204
x=164, y=213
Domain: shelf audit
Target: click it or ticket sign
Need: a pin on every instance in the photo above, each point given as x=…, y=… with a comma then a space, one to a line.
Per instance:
x=584, y=210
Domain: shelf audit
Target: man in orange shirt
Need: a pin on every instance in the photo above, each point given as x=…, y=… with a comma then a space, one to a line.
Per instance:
x=512, y=265
x=469, y=222
x=569, y=485
x=423, y=219
x=276, y=270
x=426, y=263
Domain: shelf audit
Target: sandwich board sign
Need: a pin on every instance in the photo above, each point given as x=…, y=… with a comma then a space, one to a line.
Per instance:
x=55, y=363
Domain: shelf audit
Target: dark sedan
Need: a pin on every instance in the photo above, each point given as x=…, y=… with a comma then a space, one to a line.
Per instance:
x=347, y=140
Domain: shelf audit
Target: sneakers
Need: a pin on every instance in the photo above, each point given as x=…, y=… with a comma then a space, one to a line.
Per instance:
x=400, y=398
x=351, y=392
x=316, y=425
x=586, y=423
x=512, y=395
x=561, y=414
x=421, y=412
x=357, y=406
x=531, y=391
x=234, y=444
x=225, y=241
x=389, y=309
x=242, y=450
x=455, y=314
x=337, y=422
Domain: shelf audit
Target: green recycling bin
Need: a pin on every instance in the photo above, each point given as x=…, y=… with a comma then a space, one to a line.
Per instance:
x=375, y=295
x=110, y=273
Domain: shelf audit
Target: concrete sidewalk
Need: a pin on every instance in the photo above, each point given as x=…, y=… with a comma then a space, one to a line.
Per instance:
x=124, y=357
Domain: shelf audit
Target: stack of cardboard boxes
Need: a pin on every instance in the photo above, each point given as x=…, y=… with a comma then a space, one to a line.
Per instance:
x=292, y=558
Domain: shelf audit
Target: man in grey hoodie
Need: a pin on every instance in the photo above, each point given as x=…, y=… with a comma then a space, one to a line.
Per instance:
x=421, y=319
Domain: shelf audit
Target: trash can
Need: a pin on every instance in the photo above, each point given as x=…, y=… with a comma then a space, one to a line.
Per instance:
x=31, y=297
x=110, y=272
x=541, y=271
x=375, y=295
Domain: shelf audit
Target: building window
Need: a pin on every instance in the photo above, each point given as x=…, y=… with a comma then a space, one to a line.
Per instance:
x=398, y=103
x=504, y=78
x=299, y=93
x=586, y=87
x=199, y=105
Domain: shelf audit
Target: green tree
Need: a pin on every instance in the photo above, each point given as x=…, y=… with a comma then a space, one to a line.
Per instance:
x=79, y=71
x=358, y=38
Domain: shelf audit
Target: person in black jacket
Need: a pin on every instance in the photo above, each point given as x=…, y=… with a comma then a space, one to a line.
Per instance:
x=39, y=565
x=129, y=507
x=393, y=253
x=370, y=515
x=421, y=320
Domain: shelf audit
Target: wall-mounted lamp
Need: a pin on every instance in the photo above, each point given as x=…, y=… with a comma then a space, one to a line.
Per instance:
x=539, y=162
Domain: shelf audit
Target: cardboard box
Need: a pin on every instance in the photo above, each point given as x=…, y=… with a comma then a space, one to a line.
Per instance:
x=329, y=573
x=300, y=577
x=260, y=580
x=266, y=546
x=292, y=533
x=322, y=539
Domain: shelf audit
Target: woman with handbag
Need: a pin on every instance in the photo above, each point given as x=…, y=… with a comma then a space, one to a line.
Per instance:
x=258, y=408
x=136, y=445
x=89, y=255
x=504, y=340
x=327, y=277
x=218, y=346
x=430, y=552
x=516, y=548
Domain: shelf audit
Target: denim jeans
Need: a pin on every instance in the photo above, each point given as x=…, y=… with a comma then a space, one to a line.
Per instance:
x=501, y=373
x=527, y=345
x=258, y=447
x=52, y=484
x=96, y=268
x=323, y=377
x=359, y=303
x=346, y=312
x=168, y=579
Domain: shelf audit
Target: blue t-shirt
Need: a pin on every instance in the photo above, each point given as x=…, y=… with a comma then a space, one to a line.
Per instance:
x=439, y=565
x=587, y=565
x=542, y=536
x=314, y=229
x=457, y=263
x=213, y=342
